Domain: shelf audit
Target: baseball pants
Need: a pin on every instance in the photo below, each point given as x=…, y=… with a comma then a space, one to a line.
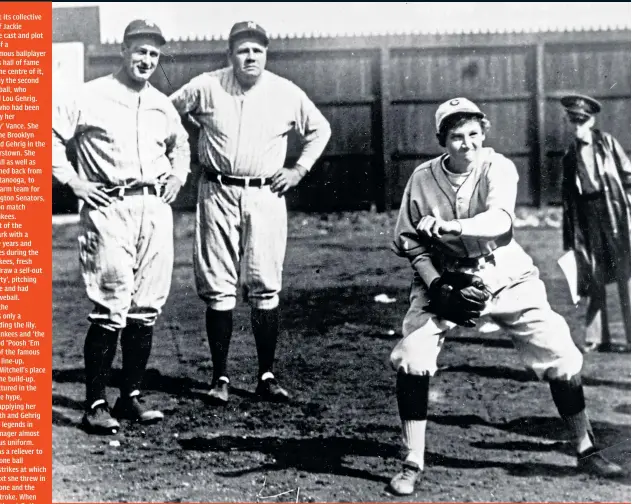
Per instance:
x=241, y=235
x=126, y=257
x=541, y=336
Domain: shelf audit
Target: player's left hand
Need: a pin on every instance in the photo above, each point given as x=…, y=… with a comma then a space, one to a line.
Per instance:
x=286, y=178
x=434, y=227
x=171, y=189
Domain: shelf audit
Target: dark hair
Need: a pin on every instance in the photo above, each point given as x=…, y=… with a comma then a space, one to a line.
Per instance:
x=458, y=120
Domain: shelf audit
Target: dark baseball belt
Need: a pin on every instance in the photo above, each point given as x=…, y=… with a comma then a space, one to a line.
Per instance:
x=237, y=181
x=123, y=191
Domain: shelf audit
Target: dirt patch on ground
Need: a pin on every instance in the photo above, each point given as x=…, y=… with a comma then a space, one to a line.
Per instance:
x=493, y=433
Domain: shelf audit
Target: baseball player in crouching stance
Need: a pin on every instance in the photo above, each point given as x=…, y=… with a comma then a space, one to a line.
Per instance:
x=455, y=226
x=132, y=157
x=246, y=113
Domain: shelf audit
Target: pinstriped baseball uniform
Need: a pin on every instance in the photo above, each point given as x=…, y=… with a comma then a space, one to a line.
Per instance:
x=519, y=303
x=241, y=231
x=123, y=138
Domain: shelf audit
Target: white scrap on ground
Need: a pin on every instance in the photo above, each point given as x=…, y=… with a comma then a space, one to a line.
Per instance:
x=384, y=298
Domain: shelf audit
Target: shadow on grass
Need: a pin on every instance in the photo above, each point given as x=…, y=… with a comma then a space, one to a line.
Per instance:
x=319, y=455
x=524, y=375
x=153, y=380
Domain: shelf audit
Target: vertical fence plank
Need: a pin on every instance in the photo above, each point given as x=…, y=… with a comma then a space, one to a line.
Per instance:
x=385, y=134
x=539, y=147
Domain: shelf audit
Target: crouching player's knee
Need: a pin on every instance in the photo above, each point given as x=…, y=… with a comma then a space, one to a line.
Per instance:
x=556, y=357
x=416, y=354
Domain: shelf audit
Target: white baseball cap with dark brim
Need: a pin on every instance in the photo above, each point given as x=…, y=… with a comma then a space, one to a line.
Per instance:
x=455, y=106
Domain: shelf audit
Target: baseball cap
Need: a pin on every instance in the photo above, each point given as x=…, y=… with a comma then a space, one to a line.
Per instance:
x=580, y=105
x=455, y=106
x=251, y=28
x=144, y=28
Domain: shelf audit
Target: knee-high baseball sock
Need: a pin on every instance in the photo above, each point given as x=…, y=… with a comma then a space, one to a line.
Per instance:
x=265, y=326
x=98, y=352
x=136, y=341
x=568, y=396
x=219, y=330
x=412, y=402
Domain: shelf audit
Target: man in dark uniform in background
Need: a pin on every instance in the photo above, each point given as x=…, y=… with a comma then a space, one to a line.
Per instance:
x=596, y=199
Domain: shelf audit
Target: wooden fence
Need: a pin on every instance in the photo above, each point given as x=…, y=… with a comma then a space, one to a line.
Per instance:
x=380, y=93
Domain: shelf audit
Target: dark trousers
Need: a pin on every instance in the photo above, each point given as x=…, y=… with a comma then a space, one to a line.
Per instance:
x=603, y=253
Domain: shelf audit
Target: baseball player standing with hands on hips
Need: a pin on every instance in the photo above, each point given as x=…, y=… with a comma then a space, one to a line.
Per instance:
x=455, y=225
x=245, y=114
x=132, y=157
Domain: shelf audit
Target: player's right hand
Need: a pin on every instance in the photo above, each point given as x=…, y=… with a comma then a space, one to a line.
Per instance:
x=436, y=228
x=90, y=192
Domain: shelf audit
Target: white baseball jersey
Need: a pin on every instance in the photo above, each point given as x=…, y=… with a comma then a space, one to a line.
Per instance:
x=122, y=137
x=519, y=303
x=492, y=184
x=244, y=133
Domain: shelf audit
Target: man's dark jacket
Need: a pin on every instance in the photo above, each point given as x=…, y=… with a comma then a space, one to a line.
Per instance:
x=613, y=170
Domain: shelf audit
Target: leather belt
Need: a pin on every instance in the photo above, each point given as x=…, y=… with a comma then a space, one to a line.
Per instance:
x=238, y=181
x=134, y=191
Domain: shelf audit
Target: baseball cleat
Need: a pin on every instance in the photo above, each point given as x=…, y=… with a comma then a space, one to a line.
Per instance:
x=219, y=391
x=270, y=390
x=610, y=347
x=130, y=408
x=592, y=461
x=98, y=420
x=403, y=483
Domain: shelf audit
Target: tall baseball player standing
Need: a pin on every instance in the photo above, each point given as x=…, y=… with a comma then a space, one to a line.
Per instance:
x=245, y=113
x=132, y=157
x=455, y=226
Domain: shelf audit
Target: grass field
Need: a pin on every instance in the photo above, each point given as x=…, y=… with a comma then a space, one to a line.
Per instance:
x=493, y=433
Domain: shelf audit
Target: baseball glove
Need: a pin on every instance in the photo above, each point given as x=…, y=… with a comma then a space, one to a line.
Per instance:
x=458, y=297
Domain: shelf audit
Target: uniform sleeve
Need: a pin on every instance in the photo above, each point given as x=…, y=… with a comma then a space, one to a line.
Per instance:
x=313, y=129
x=178, y=149
x=502, y=187
x=407, y=242
x=65, y=119
x=501, y=178
x=187, y=98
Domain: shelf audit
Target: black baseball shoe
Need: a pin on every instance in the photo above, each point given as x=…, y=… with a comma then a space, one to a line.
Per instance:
x=268, y=389
x=219, y=391
x=610, y=347
x=131, y=408
x=98, y=420
x=592, y=461
x=403, y=483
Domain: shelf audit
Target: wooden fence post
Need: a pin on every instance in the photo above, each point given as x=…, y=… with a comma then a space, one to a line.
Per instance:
x=384, y=190
x=539, y=157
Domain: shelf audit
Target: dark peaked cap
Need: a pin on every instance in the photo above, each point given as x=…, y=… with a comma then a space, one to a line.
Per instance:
x=144, y=28
x=581, y=105
x=250, y=28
